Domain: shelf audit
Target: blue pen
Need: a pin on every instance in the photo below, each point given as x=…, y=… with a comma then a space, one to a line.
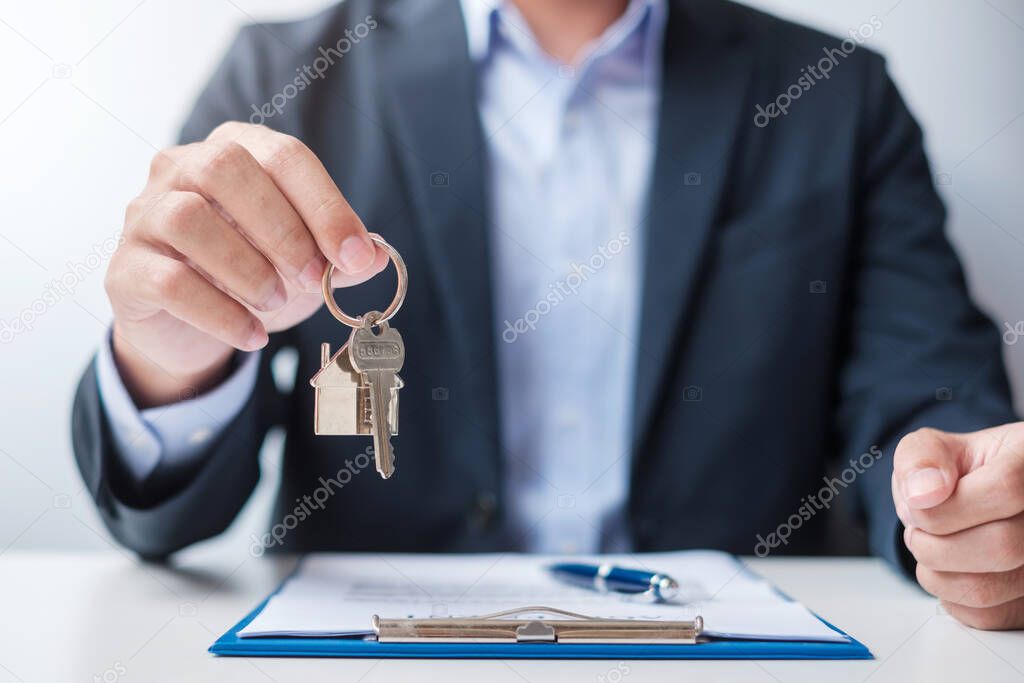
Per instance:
x=607, y=577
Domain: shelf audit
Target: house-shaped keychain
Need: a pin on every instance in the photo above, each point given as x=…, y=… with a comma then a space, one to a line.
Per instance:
x=342, y=400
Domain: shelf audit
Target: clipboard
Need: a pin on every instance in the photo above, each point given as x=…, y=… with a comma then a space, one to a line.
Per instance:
x=231, y=645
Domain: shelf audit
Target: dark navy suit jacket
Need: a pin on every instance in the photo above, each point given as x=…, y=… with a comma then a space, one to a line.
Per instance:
x=803, y=291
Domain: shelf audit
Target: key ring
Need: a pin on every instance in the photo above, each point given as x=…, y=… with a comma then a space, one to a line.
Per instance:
x=396, y=303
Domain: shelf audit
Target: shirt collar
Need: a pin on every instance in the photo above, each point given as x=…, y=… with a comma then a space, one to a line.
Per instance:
x=482, y=16
x=478, y=15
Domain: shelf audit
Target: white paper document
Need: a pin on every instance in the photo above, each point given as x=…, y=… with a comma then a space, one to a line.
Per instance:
x=338, y=594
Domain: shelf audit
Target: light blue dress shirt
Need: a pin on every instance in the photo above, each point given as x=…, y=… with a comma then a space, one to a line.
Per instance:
x=570, y=152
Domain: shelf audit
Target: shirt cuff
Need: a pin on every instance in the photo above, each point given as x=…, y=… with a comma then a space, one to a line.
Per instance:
x=174, y=434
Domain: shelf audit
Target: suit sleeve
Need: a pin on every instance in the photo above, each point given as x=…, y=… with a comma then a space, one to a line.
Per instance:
x=177, y=503
x=918, y=351
x=176, y=433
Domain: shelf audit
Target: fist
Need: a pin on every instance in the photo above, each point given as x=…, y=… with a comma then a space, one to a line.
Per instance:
x=227, y=242
x=961, y=498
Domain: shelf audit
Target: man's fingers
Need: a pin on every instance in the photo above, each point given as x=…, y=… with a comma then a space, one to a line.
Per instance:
x=188, y=223
x=927, y=464
x=972, y=590
x=165, y=283
x=302, y=178
x=992, y=492
x=228, y=174
x=961, y=498
x=902, y=511
x=339, y=278
x=993, y=547
x=1007, y=616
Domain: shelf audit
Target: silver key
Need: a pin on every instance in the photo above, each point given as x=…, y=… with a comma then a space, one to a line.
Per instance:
x=378, y=357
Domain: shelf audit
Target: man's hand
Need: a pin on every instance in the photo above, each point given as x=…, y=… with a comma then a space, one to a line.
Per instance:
x=961, y=497
x=228, y=241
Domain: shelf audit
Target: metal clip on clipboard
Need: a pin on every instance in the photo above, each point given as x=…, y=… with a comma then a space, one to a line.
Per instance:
x=574, y=628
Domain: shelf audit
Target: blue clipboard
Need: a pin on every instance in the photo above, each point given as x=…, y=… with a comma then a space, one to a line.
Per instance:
x=231, y=645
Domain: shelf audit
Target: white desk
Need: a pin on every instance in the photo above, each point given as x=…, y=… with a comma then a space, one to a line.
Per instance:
x=104, y=617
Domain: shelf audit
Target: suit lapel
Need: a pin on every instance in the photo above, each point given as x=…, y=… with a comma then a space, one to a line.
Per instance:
x=705, y=78
x=429, y=98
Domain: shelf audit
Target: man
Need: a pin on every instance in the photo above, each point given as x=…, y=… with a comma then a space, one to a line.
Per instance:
x=646, y=310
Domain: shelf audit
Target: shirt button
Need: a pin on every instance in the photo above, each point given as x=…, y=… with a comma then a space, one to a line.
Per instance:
x=200, y=436
x=569, y=419
x=572, y=120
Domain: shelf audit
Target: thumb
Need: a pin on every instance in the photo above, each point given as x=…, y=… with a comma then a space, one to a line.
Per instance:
x=927, y=466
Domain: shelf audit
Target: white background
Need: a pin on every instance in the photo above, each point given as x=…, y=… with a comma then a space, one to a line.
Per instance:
x=75, y=149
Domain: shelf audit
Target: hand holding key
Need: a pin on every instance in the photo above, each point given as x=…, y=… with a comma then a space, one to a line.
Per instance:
x=227, y=242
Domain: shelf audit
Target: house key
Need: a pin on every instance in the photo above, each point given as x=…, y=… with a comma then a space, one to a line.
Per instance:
x=357, y=387
x=377, y=357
